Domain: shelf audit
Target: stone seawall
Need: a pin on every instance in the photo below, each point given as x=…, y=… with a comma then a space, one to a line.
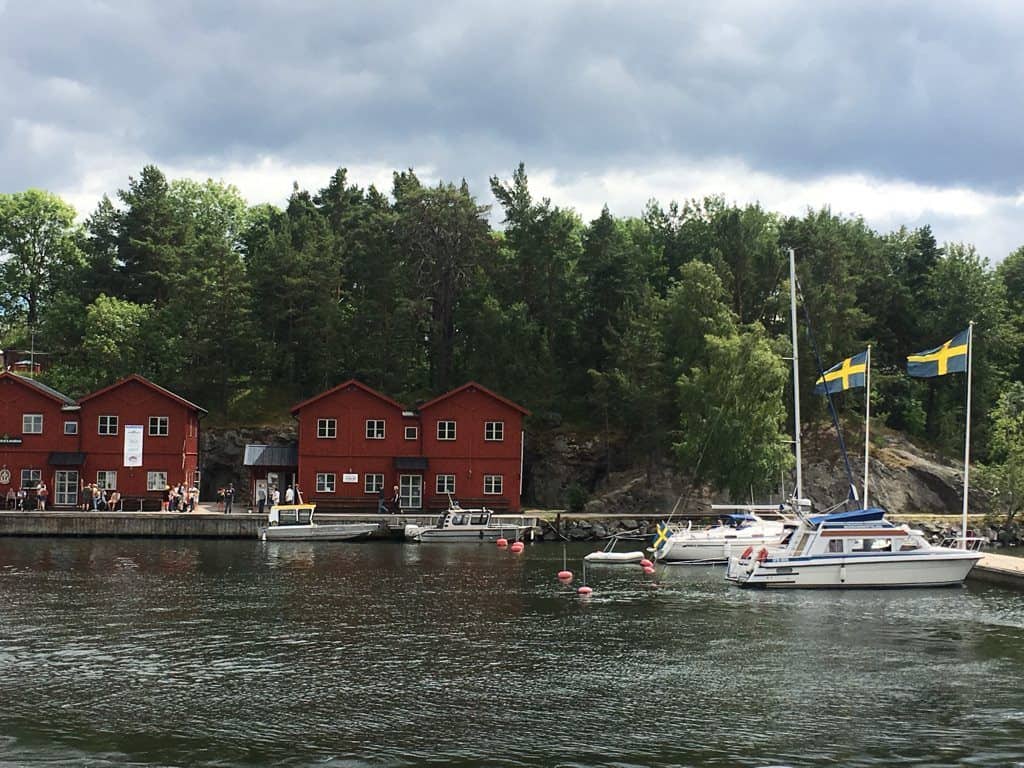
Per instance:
x=130, y=524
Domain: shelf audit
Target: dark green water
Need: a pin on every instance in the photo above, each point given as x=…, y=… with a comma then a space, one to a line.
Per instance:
x=233, y=653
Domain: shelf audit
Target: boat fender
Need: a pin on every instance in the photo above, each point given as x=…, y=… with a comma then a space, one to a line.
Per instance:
x=762, y=555
x=747, y=553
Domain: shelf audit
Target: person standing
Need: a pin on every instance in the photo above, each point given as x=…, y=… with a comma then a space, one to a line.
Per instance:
x=229, y=497
x=261, y=498
x=42, y=494
x=289, y=495
x=396, y=497
x=12, y=498
x=275, y=496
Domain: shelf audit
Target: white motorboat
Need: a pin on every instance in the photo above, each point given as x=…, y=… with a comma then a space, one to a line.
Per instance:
x=736, y=530
x=852, y=549
x=610, y=556
x=479, y=524
x=294, y=522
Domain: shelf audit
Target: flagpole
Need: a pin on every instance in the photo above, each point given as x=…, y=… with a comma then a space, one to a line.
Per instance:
x=967, y=439
x=867, y=420
x=796, y=383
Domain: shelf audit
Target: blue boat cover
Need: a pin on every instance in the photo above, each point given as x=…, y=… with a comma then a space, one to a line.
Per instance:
x=737, y=516
x=854, y=516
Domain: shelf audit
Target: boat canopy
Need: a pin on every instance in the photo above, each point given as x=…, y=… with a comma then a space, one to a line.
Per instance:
x=853, y=516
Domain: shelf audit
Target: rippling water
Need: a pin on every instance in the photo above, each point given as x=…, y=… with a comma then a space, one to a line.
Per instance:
x=235, y=653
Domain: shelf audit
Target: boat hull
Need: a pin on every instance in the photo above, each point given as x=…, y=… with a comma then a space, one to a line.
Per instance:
x=931, y=569
x=712, y=550
x=331, y=532
x=614, y=558
x=428, y=534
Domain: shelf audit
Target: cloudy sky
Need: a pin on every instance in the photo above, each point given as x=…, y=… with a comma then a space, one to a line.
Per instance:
x=904, y=112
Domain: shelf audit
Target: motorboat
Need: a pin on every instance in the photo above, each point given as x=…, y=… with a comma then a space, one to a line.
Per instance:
x=610, y=556
x=855, y=549
x=471, y=524
x=738, y=527
x=294, y=522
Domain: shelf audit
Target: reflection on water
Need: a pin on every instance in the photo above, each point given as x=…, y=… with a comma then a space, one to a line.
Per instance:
x=136, y=652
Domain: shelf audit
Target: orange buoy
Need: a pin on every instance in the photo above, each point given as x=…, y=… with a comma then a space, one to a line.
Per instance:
x=648, y=569
x=762, y=555
x=565, y=575
x=747, y=553
x=502, y=543
x=645, y=563
x=584, y=591
x=517, y=546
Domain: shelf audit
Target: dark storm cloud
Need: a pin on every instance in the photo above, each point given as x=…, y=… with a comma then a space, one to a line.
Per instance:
x=913, y=90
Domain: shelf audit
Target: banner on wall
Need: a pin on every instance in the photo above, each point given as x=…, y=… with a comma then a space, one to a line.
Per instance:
x=133, y=445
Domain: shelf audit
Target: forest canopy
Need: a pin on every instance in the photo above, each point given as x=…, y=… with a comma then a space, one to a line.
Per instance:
x=670, y=328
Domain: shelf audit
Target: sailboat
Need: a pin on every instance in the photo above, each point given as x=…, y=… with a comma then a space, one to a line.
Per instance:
x=858, y=548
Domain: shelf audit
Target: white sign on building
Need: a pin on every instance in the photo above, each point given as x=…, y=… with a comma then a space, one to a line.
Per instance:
x=133, y=445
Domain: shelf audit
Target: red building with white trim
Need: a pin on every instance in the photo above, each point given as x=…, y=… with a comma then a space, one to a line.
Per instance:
x=355, y=442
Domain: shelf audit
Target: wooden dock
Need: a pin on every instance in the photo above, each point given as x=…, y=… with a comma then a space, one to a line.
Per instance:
x=1004, y=570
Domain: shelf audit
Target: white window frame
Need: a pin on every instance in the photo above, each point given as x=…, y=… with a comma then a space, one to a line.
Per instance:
x=30, y=478
x=326, y=482
x=157, y=422
x=445, y=487
x=107, y=479
x=412, y=432
x=443, y=434
x=373, y=482
x=496, y=483
x=70, y=427
x=156, y=480
x=496, y=430
x=105, y=423
x=326, y=429
x=375, y=429
x=30, y=420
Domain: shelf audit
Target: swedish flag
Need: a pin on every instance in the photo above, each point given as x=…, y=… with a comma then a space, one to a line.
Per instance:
x=951, y=357
x=664, y=534
x=845, y=375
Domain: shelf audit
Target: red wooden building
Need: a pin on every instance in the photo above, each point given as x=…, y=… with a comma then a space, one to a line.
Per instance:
x=133, y=437
x=355, y=442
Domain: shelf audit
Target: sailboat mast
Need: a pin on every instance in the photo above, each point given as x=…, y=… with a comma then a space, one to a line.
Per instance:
x=867, y=421
x=796, y=380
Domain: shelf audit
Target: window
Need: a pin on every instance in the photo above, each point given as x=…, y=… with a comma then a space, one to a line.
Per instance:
x=30, y=478
x=159, y=426
x=411, y=433
x=375, y=429
x=494, y=431
x=446, y=430
x=70, y=427
x=445, y=484
x=327, y=428
x=835, y=545
x=32, y=423
x=492, y=485
x=108, y=426
x=156, y=481
x=107, y=479
x=325, y=482
x=373, y=483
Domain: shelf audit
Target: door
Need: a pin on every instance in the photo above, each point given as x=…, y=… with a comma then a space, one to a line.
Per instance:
x=410, y=491
x=66, y=488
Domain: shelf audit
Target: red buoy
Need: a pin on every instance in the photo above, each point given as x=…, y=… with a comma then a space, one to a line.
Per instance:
x=584, y=591
x=648, y=569
x=645, y=563
x=502, y=543
x=517, y=546
x=565, y=575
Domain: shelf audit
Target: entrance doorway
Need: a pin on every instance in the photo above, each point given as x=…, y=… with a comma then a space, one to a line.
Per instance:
x=66, y=488
x=410, y=491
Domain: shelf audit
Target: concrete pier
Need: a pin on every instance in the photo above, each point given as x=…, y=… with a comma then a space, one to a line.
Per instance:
x=1004, y=570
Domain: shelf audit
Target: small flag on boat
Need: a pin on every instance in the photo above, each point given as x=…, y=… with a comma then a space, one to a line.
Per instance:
x=951, y=357
x=664, y=534
x=845, y=375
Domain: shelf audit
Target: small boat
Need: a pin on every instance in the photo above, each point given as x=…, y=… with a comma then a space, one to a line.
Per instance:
x=736, y=530
x=478, y=524
x=858, y=549
x=294, y=522
x=609, y=556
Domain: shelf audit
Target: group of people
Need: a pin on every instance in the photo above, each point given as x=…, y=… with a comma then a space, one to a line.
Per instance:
x=93, y=497
x=292, y=495
x=18, y=500
x=178, y=498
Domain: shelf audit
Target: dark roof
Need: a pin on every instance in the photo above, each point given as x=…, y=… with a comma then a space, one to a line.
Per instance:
x=344, y=385
x=48, y=391
x=66, y=459
x=145, y=382
x=473, y=385
x=271, y=455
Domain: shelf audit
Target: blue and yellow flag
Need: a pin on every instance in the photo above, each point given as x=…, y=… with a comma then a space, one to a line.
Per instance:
x=848, y=374
x=664, y=534
x=951, y=357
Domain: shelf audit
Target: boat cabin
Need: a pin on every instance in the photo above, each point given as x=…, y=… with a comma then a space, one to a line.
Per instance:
x=291, y=514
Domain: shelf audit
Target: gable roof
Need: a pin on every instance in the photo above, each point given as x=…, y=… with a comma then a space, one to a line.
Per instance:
x=146, y=383
x=50, y=392
x=474, y=385
x=344, y=385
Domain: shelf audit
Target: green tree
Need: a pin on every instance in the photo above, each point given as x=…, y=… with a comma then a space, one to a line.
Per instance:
x=1004, y=475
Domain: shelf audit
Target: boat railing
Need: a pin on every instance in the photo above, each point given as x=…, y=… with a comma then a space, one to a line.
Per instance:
x=971, y=543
